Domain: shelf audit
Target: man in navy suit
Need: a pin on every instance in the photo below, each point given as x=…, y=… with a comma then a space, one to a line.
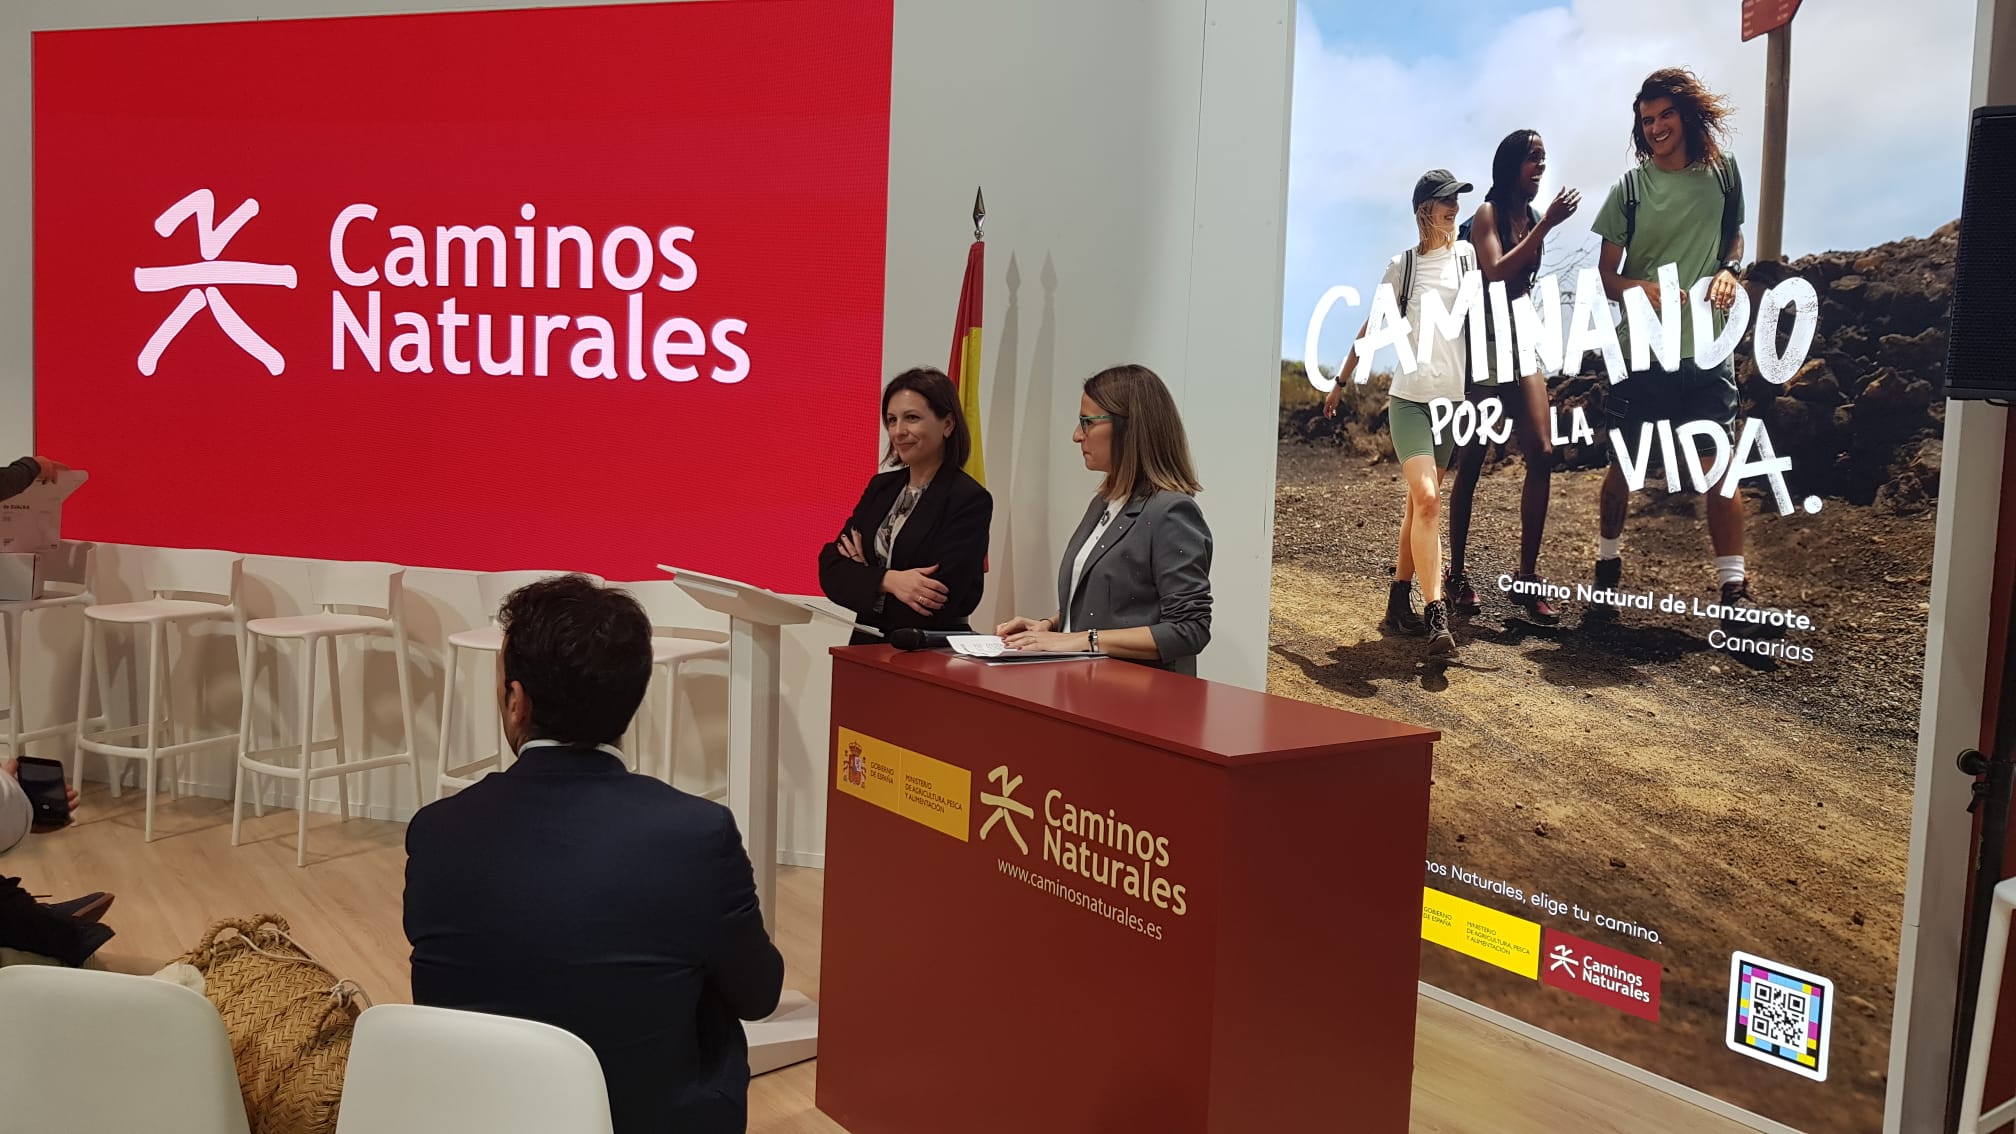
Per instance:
x=568, y=890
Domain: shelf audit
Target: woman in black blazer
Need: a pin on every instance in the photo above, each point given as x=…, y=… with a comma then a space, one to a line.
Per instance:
x=914, y=552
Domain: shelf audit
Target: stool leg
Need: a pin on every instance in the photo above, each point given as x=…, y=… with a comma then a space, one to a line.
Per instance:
x=153, y=715
x=245, y=657
x=83, y=708
x=407, y=743
x=115, y=767
x=10, y=627
x=166, y=726
x=441, y=750
x=307, y=725
x=336, y=715
x=672, y=725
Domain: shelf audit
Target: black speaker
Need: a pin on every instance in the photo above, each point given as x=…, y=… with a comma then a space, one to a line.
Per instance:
x=1981, y=354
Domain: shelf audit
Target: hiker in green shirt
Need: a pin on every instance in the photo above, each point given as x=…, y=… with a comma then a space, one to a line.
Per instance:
x=1681, y=205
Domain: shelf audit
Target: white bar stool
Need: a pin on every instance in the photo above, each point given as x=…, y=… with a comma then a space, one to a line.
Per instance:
x=67, y=577
x=1994, y=952
x=682, y=632
x=351, y=587
x=168, y=572
x=492, y=589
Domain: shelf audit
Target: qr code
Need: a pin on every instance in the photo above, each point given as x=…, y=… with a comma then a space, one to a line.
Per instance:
x=1780, y=1015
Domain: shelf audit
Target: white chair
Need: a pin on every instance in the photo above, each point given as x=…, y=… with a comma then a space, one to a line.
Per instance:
x=169, y=573
x=682, y=632
x=1993, y=954
x=341, y=590
x=66, y=1027
x=416, y=1070
x=67, y=577
x=486, y=640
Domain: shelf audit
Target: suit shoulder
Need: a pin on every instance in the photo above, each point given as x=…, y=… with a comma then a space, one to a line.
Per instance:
x=682, y=809
x=449, y=809
x=1180, y=504
x=881, y=482
x=965, y=487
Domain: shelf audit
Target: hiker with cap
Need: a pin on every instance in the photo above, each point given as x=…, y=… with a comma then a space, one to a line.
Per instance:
x=1435, y=266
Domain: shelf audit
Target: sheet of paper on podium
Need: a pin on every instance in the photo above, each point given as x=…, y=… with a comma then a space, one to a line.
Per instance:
x=992, y=650
x=32, y=520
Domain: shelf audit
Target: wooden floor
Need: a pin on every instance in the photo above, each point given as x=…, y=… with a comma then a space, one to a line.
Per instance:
x=1471, y=1077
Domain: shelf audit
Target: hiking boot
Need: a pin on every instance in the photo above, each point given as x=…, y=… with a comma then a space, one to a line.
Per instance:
x=1736, y=596
x=1539, y=606
x=1609, y=573
x=1441, y=643
x=1400, y=615
x=1462, y=596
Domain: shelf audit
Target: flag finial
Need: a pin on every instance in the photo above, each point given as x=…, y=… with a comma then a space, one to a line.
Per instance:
x=979, y=213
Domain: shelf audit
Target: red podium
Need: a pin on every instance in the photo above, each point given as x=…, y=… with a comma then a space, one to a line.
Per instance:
x=1092, y=896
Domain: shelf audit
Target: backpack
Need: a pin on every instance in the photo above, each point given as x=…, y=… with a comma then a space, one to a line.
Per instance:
x=1465, y=262
x=1725, y=179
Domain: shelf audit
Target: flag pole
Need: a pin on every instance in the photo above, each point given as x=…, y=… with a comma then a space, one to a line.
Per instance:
x=979, y=214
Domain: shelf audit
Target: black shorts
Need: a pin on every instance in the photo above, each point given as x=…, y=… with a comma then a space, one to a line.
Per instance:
x=1690, y=393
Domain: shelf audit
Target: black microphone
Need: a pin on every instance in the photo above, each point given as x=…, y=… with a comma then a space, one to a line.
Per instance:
x=911, y=638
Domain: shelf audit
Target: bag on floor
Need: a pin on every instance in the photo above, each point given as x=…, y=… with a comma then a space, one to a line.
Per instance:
x=289, y=1017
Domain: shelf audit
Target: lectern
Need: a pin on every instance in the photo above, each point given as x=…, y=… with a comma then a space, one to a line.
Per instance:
x=756, y=618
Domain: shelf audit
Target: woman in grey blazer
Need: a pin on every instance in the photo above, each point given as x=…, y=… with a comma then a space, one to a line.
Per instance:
x=1135, y=581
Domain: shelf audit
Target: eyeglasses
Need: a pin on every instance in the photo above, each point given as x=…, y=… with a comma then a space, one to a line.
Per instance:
x=1086, y=423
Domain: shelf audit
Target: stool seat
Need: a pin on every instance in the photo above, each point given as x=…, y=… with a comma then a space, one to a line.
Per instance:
x=482, y=638
x=156, y=611
x=665, y=650
x=318, y=625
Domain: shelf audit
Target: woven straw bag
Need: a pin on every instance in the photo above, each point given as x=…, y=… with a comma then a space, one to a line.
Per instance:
x=290, y=1020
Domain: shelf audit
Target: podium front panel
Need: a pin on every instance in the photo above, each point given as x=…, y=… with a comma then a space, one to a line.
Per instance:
x=1031, y=924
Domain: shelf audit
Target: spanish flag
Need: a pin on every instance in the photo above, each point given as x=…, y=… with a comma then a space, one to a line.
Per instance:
x=964, y=369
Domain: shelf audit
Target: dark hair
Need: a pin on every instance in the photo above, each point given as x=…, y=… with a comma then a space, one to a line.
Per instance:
x=1506, y=188
x=1704, y=115
x=942, y=398
x=1150, y=450
x=582, y=652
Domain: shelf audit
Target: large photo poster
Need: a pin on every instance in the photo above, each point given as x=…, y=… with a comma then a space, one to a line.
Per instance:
x=1640, y=521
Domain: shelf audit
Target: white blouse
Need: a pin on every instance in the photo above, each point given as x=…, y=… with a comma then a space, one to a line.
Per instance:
x=1085, y=553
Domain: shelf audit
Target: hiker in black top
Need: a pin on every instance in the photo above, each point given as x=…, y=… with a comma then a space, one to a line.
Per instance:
x=1508, y=235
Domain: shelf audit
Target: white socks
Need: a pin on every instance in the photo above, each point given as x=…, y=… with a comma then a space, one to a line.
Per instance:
x=1606, y=548
x=1728, y=569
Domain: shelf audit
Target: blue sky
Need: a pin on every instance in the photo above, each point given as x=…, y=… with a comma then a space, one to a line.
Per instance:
x=1384, y=91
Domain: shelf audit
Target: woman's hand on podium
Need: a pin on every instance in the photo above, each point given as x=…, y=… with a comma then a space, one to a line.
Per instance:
x=1035, y=636
x=916, y=589
x=1016, y=626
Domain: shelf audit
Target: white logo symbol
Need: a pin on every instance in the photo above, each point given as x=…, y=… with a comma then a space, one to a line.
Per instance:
x=202, y=279
x=1003, y=804
x=1563, y=958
